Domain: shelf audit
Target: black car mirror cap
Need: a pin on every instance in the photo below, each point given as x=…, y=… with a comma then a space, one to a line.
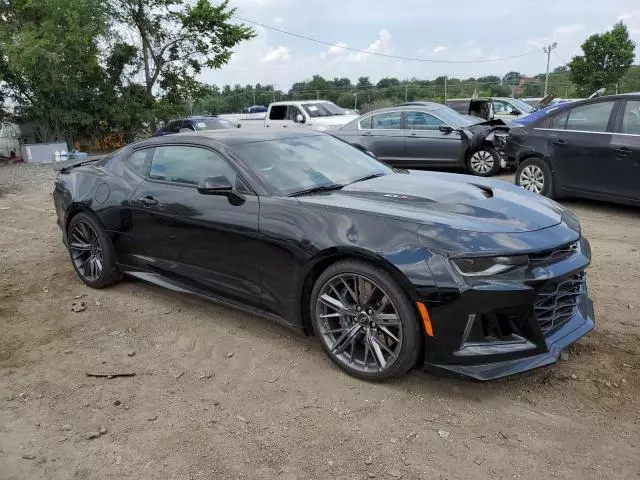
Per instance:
x=515, y=111
x=445, y=129
x=300, y=118
x=220, y=186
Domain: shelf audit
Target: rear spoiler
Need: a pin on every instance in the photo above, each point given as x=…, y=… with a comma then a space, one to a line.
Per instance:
x=66, y=167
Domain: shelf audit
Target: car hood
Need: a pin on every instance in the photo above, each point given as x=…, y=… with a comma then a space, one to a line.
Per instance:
x=460, y=202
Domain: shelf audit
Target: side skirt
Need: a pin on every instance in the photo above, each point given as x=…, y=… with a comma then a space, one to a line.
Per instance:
x=176, y=286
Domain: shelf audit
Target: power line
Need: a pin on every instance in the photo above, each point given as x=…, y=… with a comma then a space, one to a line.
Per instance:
x=397, y=57
x=558, y=57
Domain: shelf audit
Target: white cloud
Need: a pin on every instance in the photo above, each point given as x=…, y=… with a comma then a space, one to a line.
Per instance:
x=278, y=20
x=440, y=49
x=337, y=49
x=632, y=21
x=280, y=53
x=569, y=29
x=381, y=45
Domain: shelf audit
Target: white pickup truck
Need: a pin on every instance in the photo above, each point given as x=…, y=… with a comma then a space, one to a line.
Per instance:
x=314, y=114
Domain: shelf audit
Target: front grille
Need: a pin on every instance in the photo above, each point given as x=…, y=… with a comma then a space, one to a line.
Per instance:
x=557, y=302
x=554, y=255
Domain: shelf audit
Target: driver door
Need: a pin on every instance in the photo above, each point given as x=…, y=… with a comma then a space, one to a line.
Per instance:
x=426, y=145
x=195, y=238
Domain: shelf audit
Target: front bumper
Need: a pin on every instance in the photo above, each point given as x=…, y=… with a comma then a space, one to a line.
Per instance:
x=504, y=326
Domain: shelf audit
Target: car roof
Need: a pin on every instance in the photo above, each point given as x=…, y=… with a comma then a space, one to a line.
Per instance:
x=303, y=102
x=226, y=138
x=420, y=106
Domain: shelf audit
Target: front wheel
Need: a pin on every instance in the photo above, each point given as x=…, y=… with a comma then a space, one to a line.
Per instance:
x=485, y=161
x=534, y=175
x=91, y=252
x=365, y=322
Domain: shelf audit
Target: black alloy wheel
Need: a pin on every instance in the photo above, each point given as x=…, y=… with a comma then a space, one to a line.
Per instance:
x=364, y=321
x=91, y=252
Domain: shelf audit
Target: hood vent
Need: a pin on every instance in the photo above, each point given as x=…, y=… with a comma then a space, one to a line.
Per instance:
x=487, y=191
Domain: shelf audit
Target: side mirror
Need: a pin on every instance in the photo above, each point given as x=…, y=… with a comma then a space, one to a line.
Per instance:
x=300, y=118
x=445, y=129
x=370, y=153
x=220, y=186
x=515, y=111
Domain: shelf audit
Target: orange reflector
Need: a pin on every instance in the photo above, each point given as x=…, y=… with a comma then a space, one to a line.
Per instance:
x=426, y=320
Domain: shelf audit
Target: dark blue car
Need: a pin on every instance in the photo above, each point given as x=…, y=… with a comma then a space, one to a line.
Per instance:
x=194, y=124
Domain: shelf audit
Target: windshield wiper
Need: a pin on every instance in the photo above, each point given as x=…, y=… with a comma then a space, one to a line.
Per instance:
x=319, y=188
x=369, y=177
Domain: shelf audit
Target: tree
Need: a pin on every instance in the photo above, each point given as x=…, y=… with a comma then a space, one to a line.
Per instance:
x=49, y=63
x=606, y=59
x=511, y=78
x=175, y=41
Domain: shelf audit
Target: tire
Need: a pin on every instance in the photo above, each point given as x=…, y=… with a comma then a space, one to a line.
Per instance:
x=484, y=162
x=534, y=175
x=87, y=239
x=372, y=339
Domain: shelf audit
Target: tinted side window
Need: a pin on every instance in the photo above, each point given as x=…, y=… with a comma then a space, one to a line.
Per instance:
x=631, y=118
x=589, y=118
x=422, y=121
x=560, y=121
x=189, y=165
x=139, y=161
x=387, y=121
x=366, y=123
x=278, y=112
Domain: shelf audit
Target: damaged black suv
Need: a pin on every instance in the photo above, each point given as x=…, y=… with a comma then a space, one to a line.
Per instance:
x=425, y=134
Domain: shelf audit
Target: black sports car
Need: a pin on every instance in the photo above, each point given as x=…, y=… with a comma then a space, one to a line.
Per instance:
x=386, y=267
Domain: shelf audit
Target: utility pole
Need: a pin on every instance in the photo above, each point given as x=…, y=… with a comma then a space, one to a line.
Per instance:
x=254, y=97
x=548, y=50
x=355, y=103
x=317, y=94
x=406, y=93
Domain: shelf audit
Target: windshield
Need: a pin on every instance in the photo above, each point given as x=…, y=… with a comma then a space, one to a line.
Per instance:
x=290, y=165
x=323, y=109
x=453, y=118
x=524, y=107
x=204, y=124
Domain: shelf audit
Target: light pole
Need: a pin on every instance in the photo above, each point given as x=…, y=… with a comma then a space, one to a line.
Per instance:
x=547, y=50
x=355, y=102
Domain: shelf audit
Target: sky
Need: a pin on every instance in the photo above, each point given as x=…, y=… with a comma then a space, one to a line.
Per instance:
x=462, y=30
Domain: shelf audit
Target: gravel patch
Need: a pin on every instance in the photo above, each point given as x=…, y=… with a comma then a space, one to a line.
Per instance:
x=23, y=177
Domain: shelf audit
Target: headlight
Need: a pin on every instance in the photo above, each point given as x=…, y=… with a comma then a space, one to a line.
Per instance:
x=482, y=266
x=572, y=221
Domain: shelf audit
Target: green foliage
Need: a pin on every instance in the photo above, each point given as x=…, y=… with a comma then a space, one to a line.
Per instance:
x=606, y=59
x=66, y=68
x=49, y=64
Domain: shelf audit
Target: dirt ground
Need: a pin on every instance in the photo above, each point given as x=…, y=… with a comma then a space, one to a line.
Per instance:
x=218, y=394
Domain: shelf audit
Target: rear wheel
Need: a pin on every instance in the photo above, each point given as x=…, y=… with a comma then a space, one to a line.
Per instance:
x=92, y=252
x=485, y=161
x=534, y=175
x=365, y=322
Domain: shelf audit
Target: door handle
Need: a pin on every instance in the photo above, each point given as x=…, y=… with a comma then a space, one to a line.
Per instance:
x=622, y=151
x=147, y=201
x=413, y=134
x=367, y=134
x=560, y=142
